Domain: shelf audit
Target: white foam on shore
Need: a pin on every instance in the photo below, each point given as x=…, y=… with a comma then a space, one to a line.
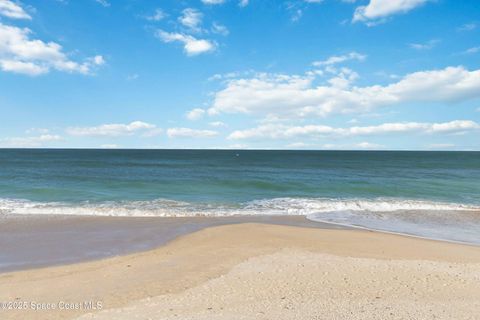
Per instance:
x=277, y=206
x=458, y=226
x=429, y=219
x=307, y=206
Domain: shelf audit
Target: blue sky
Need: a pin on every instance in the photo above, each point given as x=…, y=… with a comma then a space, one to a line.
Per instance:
x=331, y=74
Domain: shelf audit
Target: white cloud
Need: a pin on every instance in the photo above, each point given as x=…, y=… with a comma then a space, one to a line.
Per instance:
x=369, y=146
x=190, y=133
x=216, y=76
x=97, y=60
x=376, y=10
x=229, y=75
x=217, y=124
x=20, y=54
x=157, y=16
x=191, y=45
x=213, y=1
x=195, y=114
x=338, y=59
x=12, y=10
x=241, y=3
x=296, y=15
x=112, y=130
x=37, y=130
x=281, y=131
x=30, y=142
x=472, y=50
x=133, y=76
x=297, y=8
x=356, y=146
x=104, y=3
x=220, y=29
x=454, y=126
x=299, y=145
x=191, y=18
x=236, y=146
x=290, y=96
x=28, y=68
x=344, y=78
x=467, y=27
x=424, y=46
x=110, y=146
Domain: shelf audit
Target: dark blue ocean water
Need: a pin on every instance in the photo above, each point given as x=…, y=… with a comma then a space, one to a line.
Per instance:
x=434, y=194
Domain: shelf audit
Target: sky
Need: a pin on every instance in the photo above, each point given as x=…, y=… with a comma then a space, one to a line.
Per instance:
x=240, y=74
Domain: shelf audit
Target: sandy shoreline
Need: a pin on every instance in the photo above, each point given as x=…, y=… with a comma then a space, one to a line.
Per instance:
x=248, y=271
x=34, y=241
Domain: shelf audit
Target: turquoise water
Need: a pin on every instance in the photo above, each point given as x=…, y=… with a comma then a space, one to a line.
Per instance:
x=432, y=194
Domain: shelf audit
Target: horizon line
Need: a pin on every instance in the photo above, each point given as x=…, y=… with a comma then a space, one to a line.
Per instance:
x=229, y=149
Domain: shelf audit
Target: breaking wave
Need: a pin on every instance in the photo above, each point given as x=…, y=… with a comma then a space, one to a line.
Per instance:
x=435, y=220
x=277, y=206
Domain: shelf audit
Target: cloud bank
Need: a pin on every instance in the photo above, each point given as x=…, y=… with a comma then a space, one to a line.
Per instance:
x=281, y=131
x=112, y=130
x=19, y=53
x=295, y=96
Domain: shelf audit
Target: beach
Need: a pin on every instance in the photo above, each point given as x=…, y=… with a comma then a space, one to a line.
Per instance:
x=246, y=234
x=239, y=160
x=260, y=271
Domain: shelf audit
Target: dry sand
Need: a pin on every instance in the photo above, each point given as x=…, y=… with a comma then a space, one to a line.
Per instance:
x=259, y=271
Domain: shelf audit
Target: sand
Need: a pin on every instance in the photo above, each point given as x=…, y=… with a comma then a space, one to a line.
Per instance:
x=260, y=271
x=34, y=241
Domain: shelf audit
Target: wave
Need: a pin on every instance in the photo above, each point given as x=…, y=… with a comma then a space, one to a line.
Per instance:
x=307, y=206
x=429, y=219
x=276, y=206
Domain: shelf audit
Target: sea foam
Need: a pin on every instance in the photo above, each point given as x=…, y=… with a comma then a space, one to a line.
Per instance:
x=276, y=206
x=436, y=220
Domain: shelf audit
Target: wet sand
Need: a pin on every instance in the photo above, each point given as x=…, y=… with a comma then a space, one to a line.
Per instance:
x=45, y=240
x=262, y=271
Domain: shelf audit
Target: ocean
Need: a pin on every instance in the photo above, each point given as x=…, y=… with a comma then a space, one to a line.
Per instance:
x=428, y=194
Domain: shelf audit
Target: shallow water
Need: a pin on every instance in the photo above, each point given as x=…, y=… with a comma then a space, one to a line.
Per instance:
x=38, y=241
x=430, y=194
